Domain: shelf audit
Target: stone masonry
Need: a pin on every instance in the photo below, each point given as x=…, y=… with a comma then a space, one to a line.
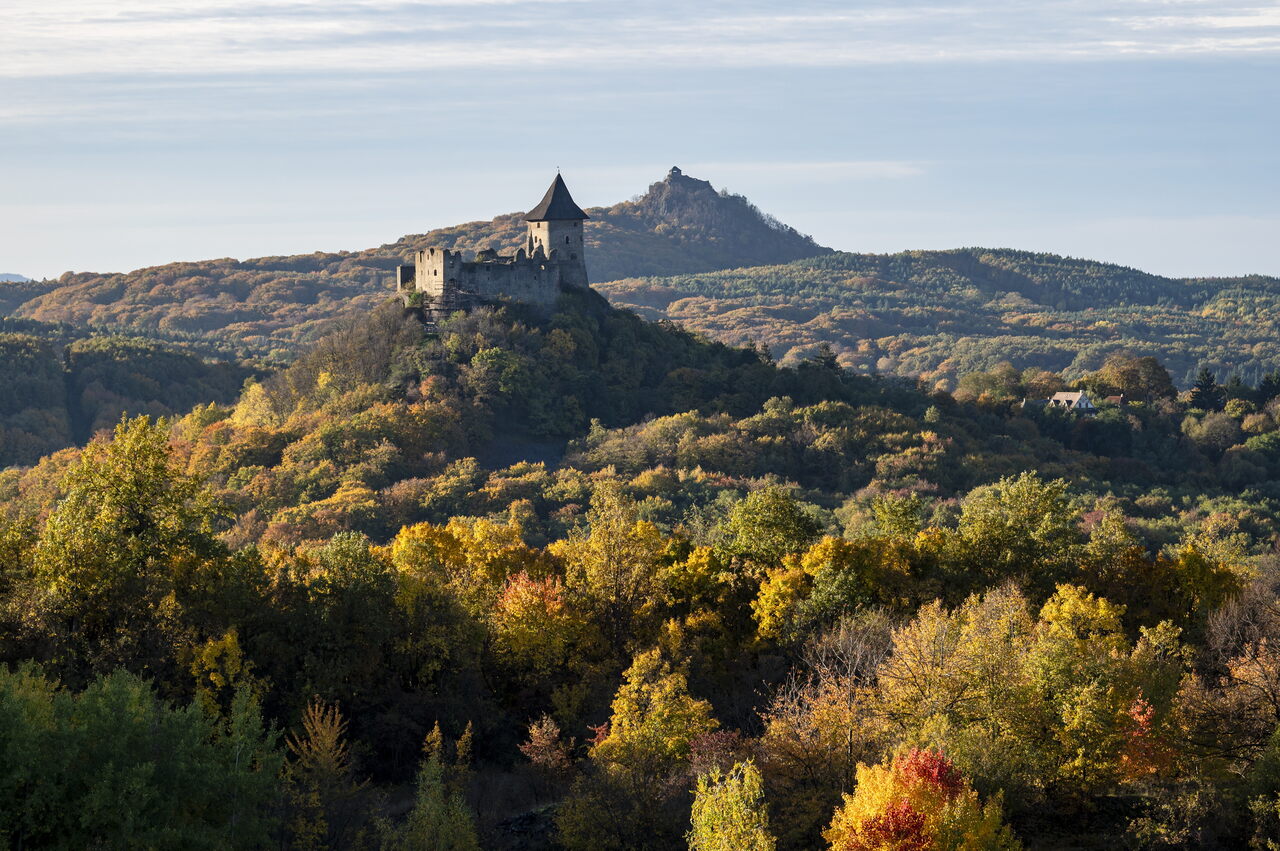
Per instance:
x=551, y=261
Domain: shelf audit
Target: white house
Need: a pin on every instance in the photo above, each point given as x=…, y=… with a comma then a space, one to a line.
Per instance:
x=1074, y=400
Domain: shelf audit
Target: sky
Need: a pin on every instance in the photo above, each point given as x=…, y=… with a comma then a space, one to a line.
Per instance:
x=139, y=132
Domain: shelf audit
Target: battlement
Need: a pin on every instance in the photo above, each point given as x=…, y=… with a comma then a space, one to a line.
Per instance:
x=440, y=280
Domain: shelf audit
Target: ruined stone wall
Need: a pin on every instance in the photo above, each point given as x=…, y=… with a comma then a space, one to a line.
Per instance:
x=531, y=281
x=434, y=267
x=440, y=281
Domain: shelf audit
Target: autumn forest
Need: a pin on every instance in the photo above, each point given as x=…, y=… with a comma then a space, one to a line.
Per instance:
x=781, y=549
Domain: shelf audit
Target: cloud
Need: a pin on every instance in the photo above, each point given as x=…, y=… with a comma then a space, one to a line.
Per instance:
x=45, y=38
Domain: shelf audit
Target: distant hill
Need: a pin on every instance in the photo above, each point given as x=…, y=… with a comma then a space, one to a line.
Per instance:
x=940, y=314
x=10, y=277
x=716, y=264
x=13, y=294
x=681, y=225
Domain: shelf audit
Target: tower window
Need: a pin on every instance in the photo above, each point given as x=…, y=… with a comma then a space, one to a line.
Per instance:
x=566, y=240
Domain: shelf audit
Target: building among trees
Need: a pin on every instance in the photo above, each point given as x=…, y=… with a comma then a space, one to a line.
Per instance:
x=1073, y=400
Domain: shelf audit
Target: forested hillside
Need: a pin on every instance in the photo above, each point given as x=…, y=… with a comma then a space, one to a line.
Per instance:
x=940, y=314
x=589, y=582
x=704, y=601
x=715, y=264
x=269, y=304
x=58, y=386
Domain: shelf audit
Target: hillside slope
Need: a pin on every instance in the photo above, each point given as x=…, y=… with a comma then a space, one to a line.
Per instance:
x=681, y=225
x=941, y=314
x=58, y=387
x=731, y=558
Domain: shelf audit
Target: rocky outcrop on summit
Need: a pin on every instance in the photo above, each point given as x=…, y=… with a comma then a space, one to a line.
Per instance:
x=681, y=225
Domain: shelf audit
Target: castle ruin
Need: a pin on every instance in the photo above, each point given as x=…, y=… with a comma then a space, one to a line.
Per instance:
x=551, y=261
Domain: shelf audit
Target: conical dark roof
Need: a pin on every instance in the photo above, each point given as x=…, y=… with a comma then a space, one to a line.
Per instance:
x=556, y=205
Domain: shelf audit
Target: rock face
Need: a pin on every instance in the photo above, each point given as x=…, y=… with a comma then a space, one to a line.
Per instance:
x=683, y=225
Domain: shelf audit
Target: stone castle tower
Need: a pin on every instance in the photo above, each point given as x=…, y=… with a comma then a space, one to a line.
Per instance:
x=551, y=261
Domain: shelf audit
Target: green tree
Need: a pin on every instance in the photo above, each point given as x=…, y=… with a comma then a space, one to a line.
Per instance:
x=1207, y=394
x=1235, y=388
x=769, y=524
x=729, y=812
x=352, y=598
x=1268, y=387
x=1214, y=432
x=1020, y=527
x=116, y=767
x=131, y=535
x=439, y=820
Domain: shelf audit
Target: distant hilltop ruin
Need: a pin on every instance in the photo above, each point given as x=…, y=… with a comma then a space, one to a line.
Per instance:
x=550, y=262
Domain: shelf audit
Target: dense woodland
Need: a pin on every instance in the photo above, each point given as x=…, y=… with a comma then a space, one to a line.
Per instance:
x=590, y=582
x=938, y=315
x=281, y=566
x=59, y=385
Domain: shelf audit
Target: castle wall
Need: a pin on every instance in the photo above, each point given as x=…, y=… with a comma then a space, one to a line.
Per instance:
x=531, y=281
x=447, y=282
x=440, y=281
x=434, y=267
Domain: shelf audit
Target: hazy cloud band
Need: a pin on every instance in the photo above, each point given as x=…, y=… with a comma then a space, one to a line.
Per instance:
x=73, y=37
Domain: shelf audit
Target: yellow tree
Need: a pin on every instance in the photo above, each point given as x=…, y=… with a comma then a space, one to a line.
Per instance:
x=820, y=724
x=327, y=802
x=956, y=678
x=473, y=557
x=533, y=626
x=729, y=812
x=917, y=802
x=1025, y=705
x=1103, y=689
x=440, y=819
x=614, y=566
x=641, y=762
x=654, y=721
